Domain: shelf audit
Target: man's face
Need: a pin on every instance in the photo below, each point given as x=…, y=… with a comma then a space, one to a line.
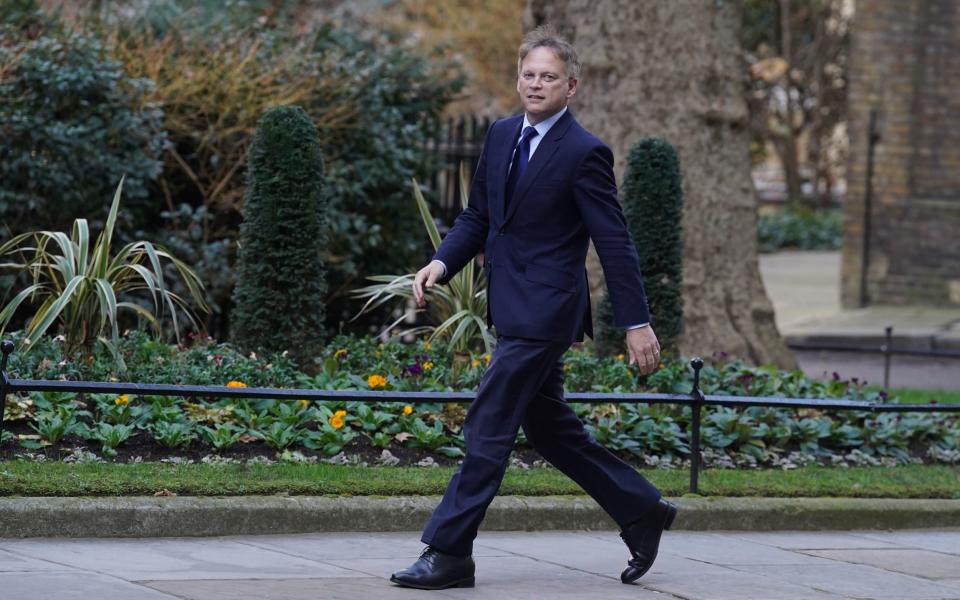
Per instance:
x=543, y=84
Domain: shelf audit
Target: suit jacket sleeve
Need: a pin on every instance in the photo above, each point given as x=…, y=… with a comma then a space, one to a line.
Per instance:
x=595, y=193
x=469, y=232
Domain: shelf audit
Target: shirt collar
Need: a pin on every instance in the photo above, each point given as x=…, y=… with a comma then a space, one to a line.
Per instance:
x=543, y=126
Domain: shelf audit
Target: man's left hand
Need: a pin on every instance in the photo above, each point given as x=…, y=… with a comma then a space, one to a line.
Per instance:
x=644, y=348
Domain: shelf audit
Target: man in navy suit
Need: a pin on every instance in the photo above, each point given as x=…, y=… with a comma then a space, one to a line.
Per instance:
x=543, y=188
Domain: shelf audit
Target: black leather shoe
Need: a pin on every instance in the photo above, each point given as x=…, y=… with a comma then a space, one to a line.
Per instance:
x=435, y=570
x=643, y=539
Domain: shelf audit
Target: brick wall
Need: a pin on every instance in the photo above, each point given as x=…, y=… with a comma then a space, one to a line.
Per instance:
x=905, y=64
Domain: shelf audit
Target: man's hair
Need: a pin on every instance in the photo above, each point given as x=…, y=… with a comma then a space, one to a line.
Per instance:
x=547, y=37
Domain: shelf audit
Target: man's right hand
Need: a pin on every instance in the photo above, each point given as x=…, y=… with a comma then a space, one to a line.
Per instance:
x=425, y=278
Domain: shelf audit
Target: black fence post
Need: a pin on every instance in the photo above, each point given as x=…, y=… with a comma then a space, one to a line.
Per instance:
x=887, y=348
x=698, y=399
x=7, y=348
x=873, y=137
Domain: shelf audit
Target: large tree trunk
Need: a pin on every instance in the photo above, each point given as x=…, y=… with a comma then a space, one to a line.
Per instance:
x=787, y=145
x=673, y=70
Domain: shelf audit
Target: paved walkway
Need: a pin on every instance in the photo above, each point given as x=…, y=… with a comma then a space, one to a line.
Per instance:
x=805, y=290
x=904, y=565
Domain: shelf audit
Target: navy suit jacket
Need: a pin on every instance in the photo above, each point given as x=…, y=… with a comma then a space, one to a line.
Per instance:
x=535, y=251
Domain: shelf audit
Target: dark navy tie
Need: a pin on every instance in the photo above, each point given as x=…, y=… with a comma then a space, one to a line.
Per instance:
x=520, y=158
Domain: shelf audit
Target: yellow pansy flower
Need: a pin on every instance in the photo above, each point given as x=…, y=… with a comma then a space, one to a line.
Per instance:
x=122, y=400
x=236, y=384
x=407, y=409
x=427, y=366
x=340, y=413
x=336, y=422
x=304, y=403
x=376, y=381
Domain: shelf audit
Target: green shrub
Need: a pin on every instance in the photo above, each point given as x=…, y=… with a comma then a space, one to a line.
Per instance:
x=657, y=434
x=458, y=309
x=608, y=339
x=214, y=68
x=279, y=294
x=54, y=425
x=82, y=287
x=110, y=436
x=183, y=234
x=653, y=206
x=173, y=435
x=371, y=96
x=802, y=230
x=23, y=15
x=72, y=124
x=222, y=437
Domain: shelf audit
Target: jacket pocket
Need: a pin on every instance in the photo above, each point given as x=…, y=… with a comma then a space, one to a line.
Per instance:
x=550, y=276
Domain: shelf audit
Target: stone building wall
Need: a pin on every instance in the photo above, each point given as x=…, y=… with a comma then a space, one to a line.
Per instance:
x=905, y=64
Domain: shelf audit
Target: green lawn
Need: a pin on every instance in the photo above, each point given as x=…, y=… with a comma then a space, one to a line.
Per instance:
x=925, y=396
x=27, y=478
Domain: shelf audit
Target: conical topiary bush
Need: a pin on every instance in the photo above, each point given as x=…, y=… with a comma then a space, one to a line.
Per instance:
x=653, y=205
x=278, y=299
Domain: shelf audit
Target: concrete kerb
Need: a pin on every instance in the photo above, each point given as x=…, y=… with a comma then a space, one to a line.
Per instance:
x=181, y=516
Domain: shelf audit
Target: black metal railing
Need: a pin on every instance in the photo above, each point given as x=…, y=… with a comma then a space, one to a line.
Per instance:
x=454, y=142
x=887, y=349
x=696, y=399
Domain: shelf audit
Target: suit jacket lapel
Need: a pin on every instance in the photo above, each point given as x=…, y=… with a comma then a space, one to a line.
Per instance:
x=545, y=151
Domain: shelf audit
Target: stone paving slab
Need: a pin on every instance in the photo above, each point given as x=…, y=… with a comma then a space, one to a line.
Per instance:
x=732, y=585
x=10, y=562
x=719, y=549
x=856, y=581
x=939, y=541
x=803, y=540
x=920, y=563
x=291, y=589
x=324, y=546
x=173, y=559
x=903, y=565
x=73, y=586
x=804, y=287
x=920, y=372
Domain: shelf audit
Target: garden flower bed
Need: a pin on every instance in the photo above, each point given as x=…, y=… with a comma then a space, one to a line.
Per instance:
x=123, y=428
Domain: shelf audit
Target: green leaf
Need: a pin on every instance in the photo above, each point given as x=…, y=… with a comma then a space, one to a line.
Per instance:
x=432, y=232
x=49, y=313
x=101, y=251
x=7, y=313
x=82, y=292
x=451, y=451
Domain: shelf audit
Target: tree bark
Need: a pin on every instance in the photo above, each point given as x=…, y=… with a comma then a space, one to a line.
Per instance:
x=789, y=157
x=673, y=70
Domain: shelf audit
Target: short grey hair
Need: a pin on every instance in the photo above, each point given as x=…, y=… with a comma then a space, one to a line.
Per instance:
x=545, y=36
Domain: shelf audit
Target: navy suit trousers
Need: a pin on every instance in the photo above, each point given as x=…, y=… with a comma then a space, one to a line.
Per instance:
x=524, y=387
